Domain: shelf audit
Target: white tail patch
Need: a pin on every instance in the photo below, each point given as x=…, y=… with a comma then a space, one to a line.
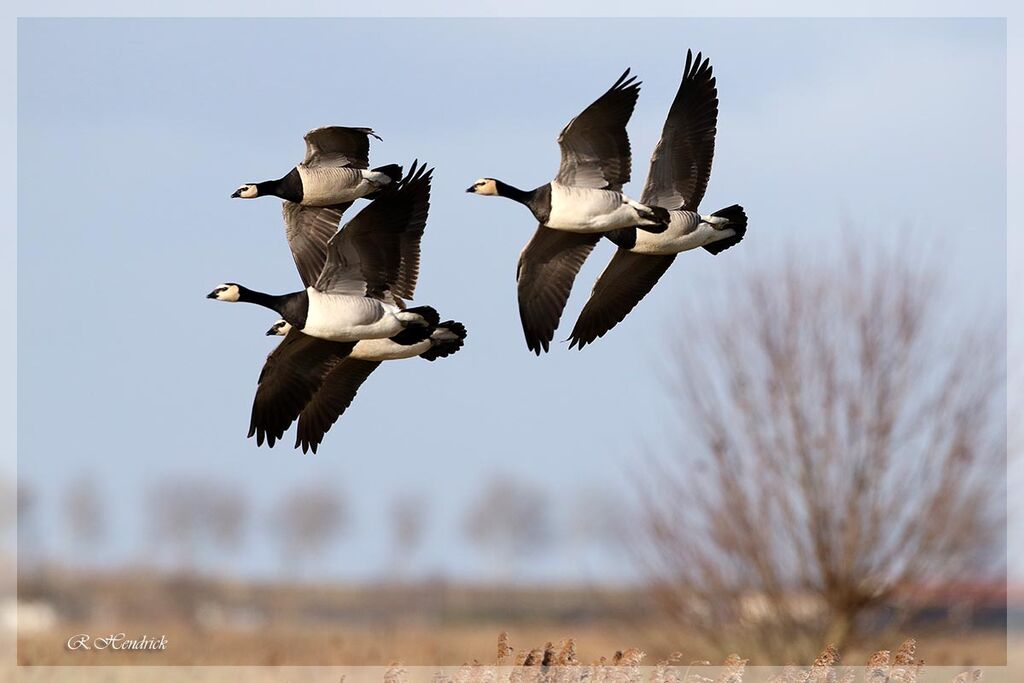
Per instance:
x=407, y=317
x=443, y=334
x=385, y=349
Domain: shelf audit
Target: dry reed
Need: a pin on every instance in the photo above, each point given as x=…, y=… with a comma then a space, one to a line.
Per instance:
x=559, y=664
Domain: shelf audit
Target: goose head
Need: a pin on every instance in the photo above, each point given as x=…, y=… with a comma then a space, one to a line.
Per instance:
x=487, y=187
x=228, y=291
x=247, y=191
x=279, y=329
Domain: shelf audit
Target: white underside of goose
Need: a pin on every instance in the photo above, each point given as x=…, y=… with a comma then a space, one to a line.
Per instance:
x=324, y=186
x=344, y=317
x=386, y=349
x=588, y=210
x=687, y=230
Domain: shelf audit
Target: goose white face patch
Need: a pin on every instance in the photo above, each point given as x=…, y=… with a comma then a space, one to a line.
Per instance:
x=247, y=192
x=279, y=329
x=485, y=186
x=225, y=292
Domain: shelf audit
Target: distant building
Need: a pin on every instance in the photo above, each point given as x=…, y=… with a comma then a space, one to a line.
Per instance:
x=27, y=617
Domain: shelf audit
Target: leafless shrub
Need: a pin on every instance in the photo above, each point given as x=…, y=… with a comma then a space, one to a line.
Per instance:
x=306, y=520
x=27, y=504
x=843, y=440
x=84, y=513
x=408, y=517
x=511, y=520
x=8, y=504
x=196, y=520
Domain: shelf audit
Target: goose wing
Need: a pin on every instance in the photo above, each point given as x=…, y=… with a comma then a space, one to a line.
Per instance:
x=290, y=377
x=547, y=267
x=309, y=229
x=595, y=146
x=681, y=163
x=625, y=281
x=338, y=146
x=330, y=402
x=377, y=253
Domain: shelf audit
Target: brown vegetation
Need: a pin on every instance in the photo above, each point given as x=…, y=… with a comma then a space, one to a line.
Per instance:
x=222, y=622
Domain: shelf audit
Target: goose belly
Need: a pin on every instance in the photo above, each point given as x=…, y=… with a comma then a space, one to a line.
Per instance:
x=342, y=317
x=685, y=231
x=385, y=349
x=331, y=185
x=584, y=209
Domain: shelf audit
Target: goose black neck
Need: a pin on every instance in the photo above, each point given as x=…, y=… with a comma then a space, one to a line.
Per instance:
x=289, y=187
x=291, y=307
x=538, y=200
x=514, y=193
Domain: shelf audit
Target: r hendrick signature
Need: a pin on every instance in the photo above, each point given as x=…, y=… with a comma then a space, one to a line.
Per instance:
x=116, y=641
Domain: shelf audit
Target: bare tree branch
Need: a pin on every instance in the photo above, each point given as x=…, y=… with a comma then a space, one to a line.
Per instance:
x=841, y=438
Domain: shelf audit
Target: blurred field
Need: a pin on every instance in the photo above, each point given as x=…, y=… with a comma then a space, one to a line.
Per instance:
x=211, y=622
x=417, y=644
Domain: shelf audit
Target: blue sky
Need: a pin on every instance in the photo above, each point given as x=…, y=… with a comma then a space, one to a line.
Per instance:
x=132, y=134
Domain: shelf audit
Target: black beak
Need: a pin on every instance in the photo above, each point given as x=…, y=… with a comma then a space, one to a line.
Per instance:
x=272, y=332
x=212, y=295
x=236, y=194
x=471, y=189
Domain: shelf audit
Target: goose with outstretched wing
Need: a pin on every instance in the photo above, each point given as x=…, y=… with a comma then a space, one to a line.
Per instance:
x=678, y=176
x=366, y=267
x=334, y=171
x=357, y=293
x=340, y=381
x=584, y=201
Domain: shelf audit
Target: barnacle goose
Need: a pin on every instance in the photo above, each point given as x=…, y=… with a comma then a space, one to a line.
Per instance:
x=584, y=200
x=678, y=176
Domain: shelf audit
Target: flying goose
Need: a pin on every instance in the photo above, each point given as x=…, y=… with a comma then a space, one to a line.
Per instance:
x=584, y=200
x=334, y=172
x=341, y=379
x=678, y=177
x=368, y=267
x=444, y=339
x=336, y=157
x=315, y=380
